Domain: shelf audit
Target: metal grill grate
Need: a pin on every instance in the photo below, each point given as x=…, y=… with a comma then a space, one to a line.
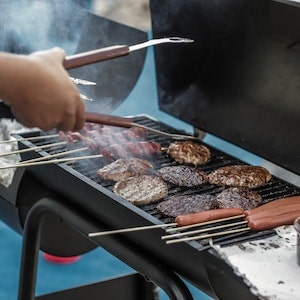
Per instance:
x=275, y=189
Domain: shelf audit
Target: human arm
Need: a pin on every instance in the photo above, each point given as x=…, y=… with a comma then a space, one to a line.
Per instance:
x=39, y=91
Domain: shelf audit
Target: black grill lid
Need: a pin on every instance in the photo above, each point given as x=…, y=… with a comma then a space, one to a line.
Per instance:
x=27, y=27
x=240, y=80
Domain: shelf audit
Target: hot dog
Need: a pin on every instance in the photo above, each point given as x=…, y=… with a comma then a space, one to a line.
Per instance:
x=270, y=222
x=273, y=211
x=274, y=204
x=208, y=215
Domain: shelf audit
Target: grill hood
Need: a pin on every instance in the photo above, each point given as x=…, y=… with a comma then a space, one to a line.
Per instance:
x=240, y=79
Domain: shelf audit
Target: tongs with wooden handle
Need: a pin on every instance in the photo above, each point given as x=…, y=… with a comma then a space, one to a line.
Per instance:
x=94, y=56
x=128, y=122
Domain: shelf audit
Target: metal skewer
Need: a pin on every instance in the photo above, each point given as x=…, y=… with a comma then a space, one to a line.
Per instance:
x=82, y=81
x=50, y=156
x=205, y=223
x=52, y=161
x=175, y=235
x=32, y=149
x=139, y=228
x=40, y=137
x=206, y=236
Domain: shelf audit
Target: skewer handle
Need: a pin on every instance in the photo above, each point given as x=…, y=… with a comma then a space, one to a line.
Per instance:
x=94, y=56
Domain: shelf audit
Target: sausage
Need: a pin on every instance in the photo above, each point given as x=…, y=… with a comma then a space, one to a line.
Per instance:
x=273, y=211
x=208, y=215
x=270, y=222
x=274, y=204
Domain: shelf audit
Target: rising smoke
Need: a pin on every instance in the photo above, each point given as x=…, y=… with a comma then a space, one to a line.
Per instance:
x=30, y=25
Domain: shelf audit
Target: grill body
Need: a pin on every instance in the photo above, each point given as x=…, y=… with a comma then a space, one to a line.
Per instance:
x=78, y=185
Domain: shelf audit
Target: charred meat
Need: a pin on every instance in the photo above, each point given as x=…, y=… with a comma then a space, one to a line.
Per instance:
x=238, y=198
x=183, y=176
x=187, y=204
x=189, y=152
x=142, y=189
x=138, y=149
x=240, y=176
x=124, y=168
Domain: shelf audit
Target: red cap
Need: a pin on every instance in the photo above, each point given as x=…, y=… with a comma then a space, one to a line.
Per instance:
x=61, y=259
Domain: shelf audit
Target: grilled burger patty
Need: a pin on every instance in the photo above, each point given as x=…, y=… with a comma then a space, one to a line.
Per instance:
x=240, y=176
x=238, y=198
x=124, y=168
x=141, y=189
x=189, y=152
x=183, y=176
x=187, y=204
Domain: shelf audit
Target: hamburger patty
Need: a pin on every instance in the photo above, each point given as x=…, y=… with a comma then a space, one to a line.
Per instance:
x=189, y=152
x=141, y=189
x=240, y=176
x=188, y=204
x=239, y=198
x=183, y=176
x=124, y=168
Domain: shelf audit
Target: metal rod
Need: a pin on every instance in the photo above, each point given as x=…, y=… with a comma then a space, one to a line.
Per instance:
x=109, y=232
x=53, y=155
x=33, y=138
x=173, y=136
x=205, y=223
x=154, y=42
x=32, y=149
x=167, y=237
x=53, y=161
x=206, y=236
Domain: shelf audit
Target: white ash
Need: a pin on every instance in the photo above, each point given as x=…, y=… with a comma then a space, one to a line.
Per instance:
x=8, y=127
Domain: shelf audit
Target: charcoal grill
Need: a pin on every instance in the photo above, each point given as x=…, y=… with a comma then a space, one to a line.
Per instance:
x=72, y=201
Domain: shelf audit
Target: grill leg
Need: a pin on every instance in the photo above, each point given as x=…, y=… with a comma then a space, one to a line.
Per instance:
x=167, y=280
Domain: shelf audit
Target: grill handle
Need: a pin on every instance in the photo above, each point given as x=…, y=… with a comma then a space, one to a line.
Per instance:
x=108, y=120
x=94, y=56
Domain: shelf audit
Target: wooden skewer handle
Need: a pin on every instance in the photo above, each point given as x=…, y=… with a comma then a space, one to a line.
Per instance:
x=108, y=120
x=94, y=56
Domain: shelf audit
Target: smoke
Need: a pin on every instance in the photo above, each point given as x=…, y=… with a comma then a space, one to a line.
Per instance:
x=30, y=25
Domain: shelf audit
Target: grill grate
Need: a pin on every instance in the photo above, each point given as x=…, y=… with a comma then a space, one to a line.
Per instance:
x=275, y=189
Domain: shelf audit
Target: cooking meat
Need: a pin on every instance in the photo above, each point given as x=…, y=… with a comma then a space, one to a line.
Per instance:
x=240, y=176
x=183, y=176
x=124, y=168
x=104, y=136
x=189, y=152
x=141, y=189
x=187, y=204
x=138, y=149
x=238, y=198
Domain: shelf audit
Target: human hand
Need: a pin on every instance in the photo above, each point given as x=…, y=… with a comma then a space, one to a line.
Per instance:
x=42, y=94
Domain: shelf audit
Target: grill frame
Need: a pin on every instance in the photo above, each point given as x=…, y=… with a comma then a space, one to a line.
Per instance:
x=101, y=204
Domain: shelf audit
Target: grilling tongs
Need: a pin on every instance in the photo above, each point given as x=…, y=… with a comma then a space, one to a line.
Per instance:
x=98, y=55
x=129, y=122
x=90, y=57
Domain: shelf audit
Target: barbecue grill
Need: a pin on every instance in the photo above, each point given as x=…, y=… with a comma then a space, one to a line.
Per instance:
x=226, y=84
